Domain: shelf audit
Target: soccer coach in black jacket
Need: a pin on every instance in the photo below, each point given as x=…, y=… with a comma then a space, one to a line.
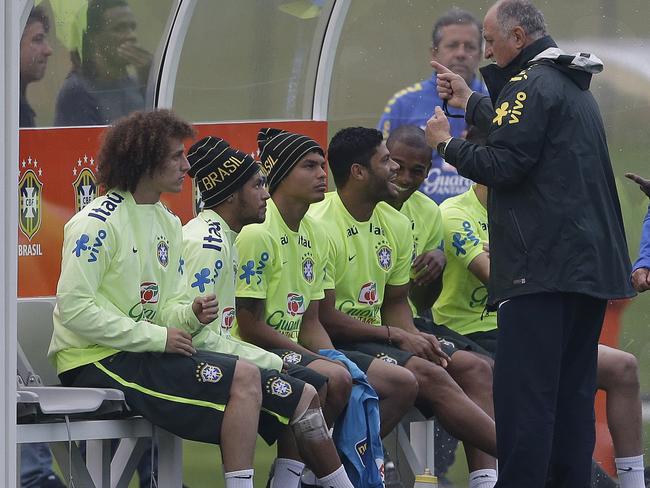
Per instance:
x=557, y=243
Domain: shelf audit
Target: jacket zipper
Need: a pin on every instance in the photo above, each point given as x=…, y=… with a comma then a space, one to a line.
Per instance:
x=522, y=280
x=521, y=235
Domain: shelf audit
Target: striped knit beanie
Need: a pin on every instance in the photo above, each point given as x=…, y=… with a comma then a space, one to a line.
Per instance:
x=281, y=150
x=218, y=169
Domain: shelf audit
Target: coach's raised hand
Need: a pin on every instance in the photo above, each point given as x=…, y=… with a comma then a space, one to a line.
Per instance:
x=451, y=87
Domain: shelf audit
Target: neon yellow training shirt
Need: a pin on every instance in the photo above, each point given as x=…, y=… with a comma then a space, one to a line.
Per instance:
x=426, y=223
x=463, y=296
x=364, y=257
x=211, y=265
x=121, y=282
x=282, y=267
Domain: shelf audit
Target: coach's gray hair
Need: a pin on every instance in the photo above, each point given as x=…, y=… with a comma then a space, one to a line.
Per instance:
x=512, y=13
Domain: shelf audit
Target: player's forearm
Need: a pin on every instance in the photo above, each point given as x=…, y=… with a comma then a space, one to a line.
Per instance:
x=263, y=335
x=343, y=328
x=81, y=315
x=314, y=338
x=397, y=313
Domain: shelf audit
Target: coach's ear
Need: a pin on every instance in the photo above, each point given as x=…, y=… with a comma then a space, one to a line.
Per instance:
x=358, y=171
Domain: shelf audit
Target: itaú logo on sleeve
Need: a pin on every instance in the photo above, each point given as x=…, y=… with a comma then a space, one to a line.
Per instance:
x=227, y=318
x=368, y=293
x=148, y=292
x=295, y=304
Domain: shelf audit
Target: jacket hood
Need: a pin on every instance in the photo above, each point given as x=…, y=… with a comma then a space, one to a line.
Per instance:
x=578, y=67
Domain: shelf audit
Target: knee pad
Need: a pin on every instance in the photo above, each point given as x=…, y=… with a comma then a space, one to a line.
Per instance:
x=310, y=426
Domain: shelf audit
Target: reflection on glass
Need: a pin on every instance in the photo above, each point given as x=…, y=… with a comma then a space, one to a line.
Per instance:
x=254, y=62
x=109, y=68
x=34, y=52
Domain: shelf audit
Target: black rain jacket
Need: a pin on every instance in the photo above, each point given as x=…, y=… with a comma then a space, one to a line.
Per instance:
x=555, y=220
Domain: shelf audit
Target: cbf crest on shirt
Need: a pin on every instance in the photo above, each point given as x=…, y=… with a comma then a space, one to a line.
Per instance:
x=363, y=257
x=282, y=267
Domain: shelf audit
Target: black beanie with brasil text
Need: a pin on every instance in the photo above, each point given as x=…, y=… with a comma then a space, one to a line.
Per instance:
x=218, y=169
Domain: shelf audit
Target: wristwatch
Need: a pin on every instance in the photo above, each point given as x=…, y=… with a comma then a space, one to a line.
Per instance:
x=442, y=147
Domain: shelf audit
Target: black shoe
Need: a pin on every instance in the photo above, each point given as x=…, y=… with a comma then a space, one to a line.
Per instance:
x=599, y=478
x=51, y=481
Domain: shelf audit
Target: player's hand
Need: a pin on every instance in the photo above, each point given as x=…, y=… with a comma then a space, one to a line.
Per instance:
x=416, y=344
x=451, y=87
x=179, y=342
x=428, y=266
x=437, y=129
x=206, y=308
x=643, y=183
x=437, y=348
x=641, y=279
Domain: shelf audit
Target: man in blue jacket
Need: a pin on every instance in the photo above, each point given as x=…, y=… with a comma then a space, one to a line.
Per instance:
x=557, y=242
x=641, y=269
x=456, y=43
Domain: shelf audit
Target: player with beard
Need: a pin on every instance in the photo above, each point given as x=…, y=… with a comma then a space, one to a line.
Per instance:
x=123, y=319
x=366, y=296
x=234, y=195
x=280, y=284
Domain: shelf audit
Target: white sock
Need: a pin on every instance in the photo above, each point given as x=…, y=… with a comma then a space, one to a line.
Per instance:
x=286, y=473
x=239, y=479
x=483, y=478
x=630, y=471
x=308, y=477
x=337, y=479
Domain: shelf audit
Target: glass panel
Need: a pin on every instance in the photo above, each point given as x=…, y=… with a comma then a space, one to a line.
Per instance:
x=250, y=62
x=378, y=56
x=87, y=63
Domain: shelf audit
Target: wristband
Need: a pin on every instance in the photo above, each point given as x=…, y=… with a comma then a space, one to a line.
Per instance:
x=442, y=147
x=389, y=340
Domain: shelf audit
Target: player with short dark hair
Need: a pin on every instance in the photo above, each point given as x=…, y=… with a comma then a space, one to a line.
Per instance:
x=123, y=317
x=234, y=196
x=366, y=297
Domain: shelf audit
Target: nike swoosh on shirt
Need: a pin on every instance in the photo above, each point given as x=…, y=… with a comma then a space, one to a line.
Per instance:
x=293, y=472
x=350, y=258
x=134, y=250
x=626, y=469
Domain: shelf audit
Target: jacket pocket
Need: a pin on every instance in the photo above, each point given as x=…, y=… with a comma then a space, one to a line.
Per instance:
x=520, y=280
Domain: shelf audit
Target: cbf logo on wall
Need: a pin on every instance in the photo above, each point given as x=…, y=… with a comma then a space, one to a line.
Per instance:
x=30, y=195
x=85, y=183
